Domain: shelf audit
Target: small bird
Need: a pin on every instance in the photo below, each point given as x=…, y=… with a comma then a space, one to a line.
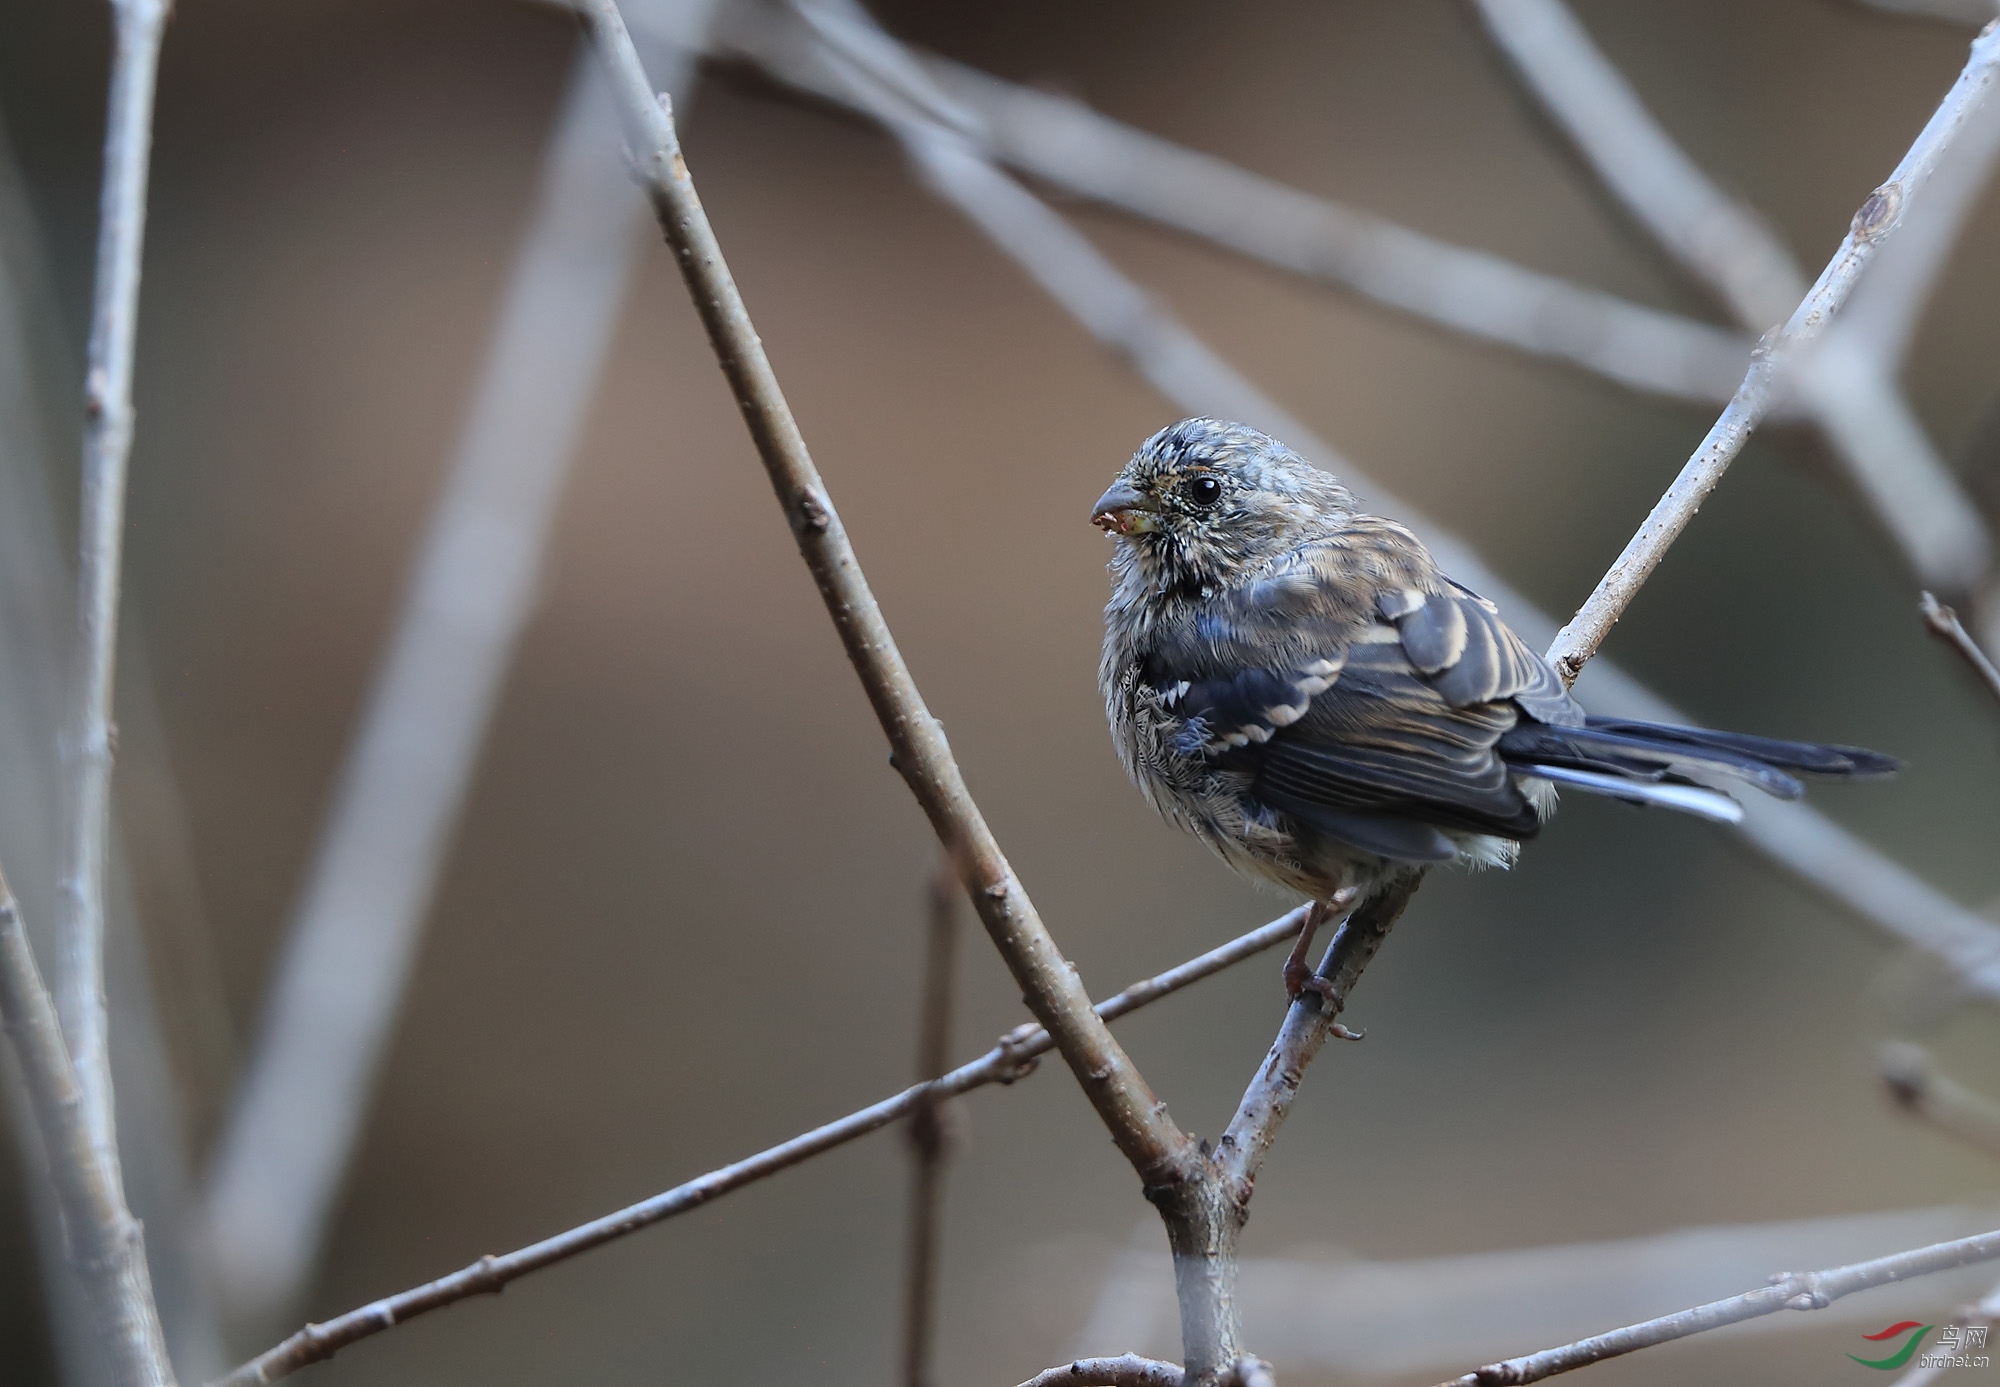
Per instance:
x=1299, y=686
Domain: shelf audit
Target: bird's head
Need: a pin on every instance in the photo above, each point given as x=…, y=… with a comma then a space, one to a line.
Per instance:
x=1206, y=504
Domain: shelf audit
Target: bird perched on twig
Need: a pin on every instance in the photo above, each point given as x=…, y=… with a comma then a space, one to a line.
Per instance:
x=1299, y=686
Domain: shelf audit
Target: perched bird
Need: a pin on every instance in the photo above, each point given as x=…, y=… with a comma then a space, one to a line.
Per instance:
x=1298, y=685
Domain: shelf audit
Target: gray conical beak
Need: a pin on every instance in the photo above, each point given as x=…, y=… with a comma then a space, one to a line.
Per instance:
x=1124, y=510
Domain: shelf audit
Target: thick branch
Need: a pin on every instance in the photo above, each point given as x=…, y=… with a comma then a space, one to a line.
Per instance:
x=1014, y=1057
x=1138, y=1121
x=1797, y=1291
x=1873, y=224
x=106, y=1249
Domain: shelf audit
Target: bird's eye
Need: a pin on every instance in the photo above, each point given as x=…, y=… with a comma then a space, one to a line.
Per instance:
x=1203, y=491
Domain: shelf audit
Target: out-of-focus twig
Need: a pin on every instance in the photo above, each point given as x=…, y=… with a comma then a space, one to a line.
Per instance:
x=1794, y=1291
x=1848, y=378
x=352, y=940
x=1917, y=1088
x=1088, y=154
x=1184, y=369
x=106, y=1246
x=1723, y=243
x=1485, y=296
x=139, y=26
x=1943, y=623
x=1955, y=11
x=1716, y=237
x=1979, y=1315
x=1126, y=1370
x=1014, y=1057
x=1874, y=224
x=930, y=1130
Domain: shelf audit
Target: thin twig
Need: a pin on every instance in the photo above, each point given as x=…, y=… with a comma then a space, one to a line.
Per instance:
x=107, y=1250
x=1943, y=623
x=1794, y=1291
x=139, y=28
x=351, y=943
x=1013, y=1058
x=1795, y=837
x=1873, y=224
x=1311, y=1020
x=1485, y=296
x=1918, y=1089
x=1126, y=1370
x=1138, y=1122
x=931, y=1134
x=1979, y=1315
x=1849, y=375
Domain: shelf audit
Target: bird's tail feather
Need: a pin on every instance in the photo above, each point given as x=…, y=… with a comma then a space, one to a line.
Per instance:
x=1688, y=799
x=1653, y=763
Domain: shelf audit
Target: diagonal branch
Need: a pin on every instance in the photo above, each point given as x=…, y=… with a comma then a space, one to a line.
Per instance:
x=1796, y=1291
x=352, y=939
x=105, y=1243
x=1138, y=1122
x=1721, y=241
x=1637, y=160
x=1312, y=1019
x=1795, y=837
x=1013, y=1058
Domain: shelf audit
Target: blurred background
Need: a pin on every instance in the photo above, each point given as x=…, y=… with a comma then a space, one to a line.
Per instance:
x=682, y=914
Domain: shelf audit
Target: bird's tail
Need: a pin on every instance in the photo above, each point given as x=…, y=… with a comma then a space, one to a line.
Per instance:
x=1674, y=767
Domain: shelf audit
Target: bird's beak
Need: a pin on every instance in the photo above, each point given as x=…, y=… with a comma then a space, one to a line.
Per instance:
x=1124, y=510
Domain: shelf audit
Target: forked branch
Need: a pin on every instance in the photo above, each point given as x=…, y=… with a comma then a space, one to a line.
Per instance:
x=1013, y=1058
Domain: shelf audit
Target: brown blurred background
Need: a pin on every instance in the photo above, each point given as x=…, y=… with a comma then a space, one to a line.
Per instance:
x=683, y=913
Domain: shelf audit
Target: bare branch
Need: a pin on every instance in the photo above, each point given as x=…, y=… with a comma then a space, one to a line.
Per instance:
x=1875, y=223
x=1138, y=1122
x=1184, y=369
x=107, y=1250
x=1013, y=1058
x=1919, y=1090
x=930, y=1130
x=1794, y=1291
x=1459, y=288
x=347, y=952
x=1126, y=1370
x=1723, y=242
x=1943, y=623
x=139, y=27
x=1310, y=1021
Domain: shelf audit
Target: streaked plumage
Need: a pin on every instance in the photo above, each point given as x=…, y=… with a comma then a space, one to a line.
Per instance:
x=1298, y=685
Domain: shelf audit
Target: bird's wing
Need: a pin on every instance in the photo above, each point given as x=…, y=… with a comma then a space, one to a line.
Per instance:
x=1368, y=708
